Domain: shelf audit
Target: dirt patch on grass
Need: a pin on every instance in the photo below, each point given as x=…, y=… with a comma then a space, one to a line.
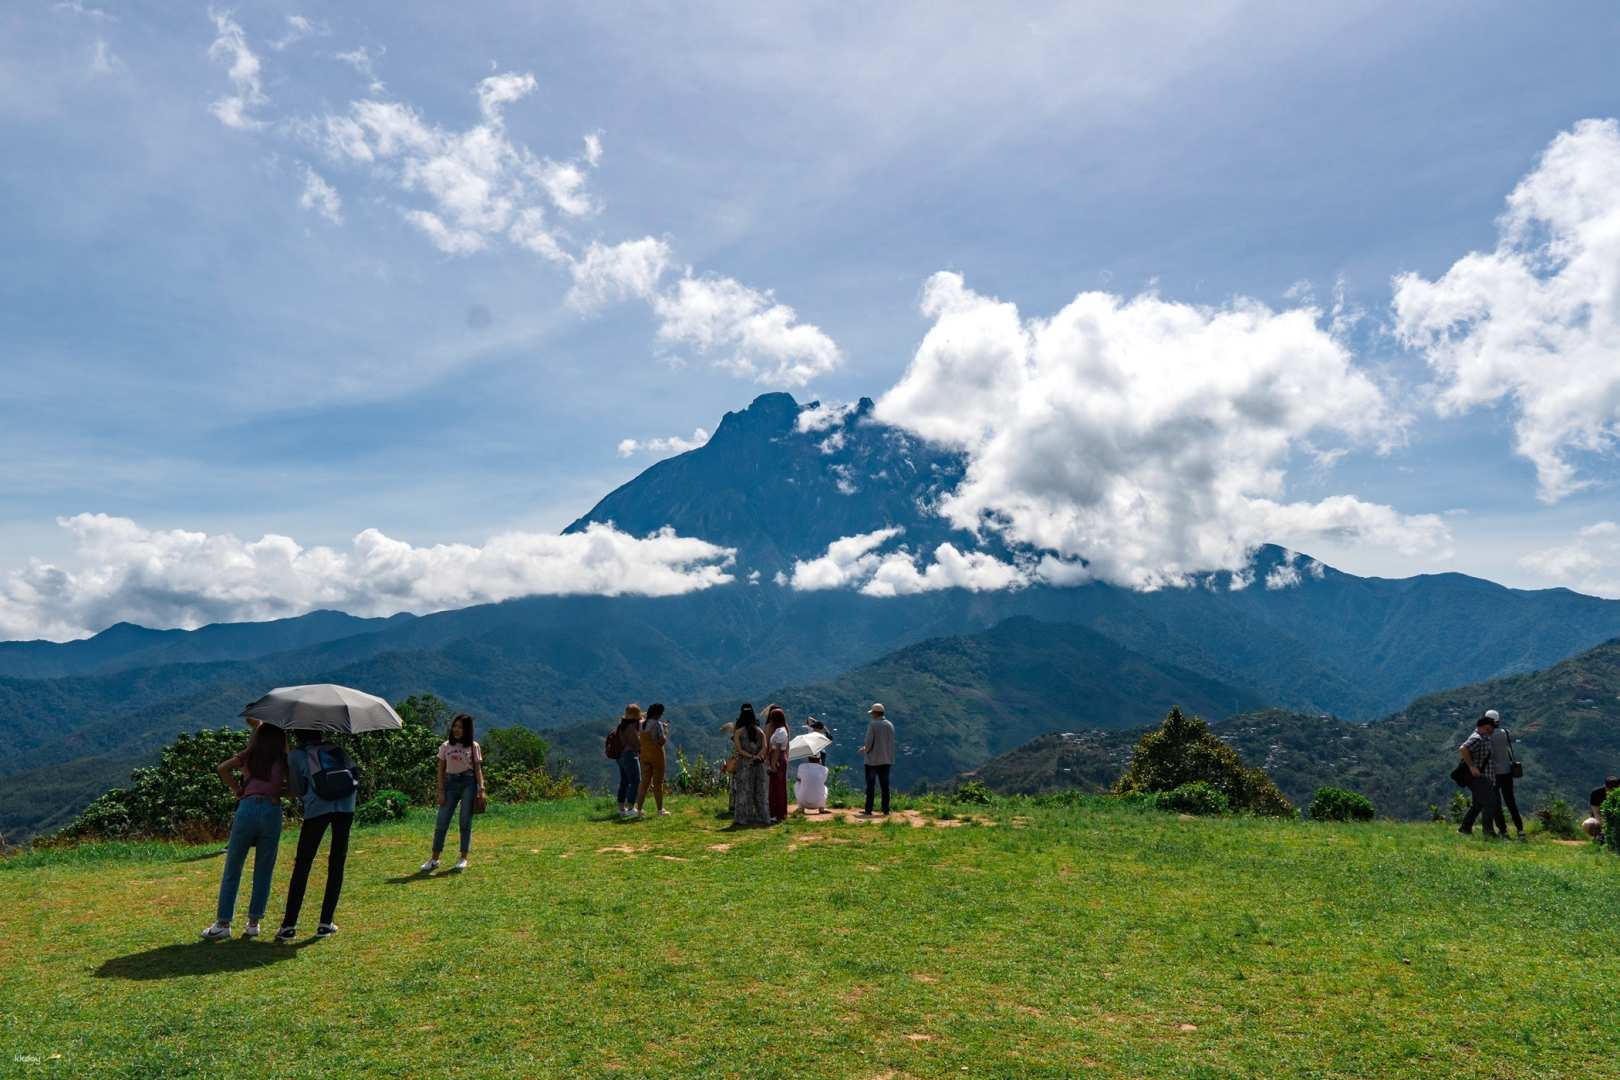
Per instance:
x=914, y=818
x=623, y=849
x=719, y=847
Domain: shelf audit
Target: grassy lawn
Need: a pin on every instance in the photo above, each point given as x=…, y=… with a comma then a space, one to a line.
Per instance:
x=1037, y=941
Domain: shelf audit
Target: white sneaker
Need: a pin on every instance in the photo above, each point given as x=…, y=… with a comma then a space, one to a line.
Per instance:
x=326, y=929
x=663, y=813
x=430, y=866
x=220, y=931
x=252, y=930
x=460, y=866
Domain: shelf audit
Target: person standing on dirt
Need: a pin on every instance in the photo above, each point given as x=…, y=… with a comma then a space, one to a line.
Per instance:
x=878, y=752
x=1476, y=755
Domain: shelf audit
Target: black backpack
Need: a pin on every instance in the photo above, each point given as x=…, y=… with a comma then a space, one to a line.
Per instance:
x=335, y=783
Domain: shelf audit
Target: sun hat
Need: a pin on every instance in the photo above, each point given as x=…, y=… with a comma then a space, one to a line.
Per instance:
x=876, y=709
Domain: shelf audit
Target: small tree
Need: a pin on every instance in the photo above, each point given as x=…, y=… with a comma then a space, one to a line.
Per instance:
x=1336, y=804
x=1184, y=750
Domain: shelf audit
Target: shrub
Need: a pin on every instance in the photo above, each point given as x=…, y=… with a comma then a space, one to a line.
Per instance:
x=180, y=797
x=1609, y=814
x=974, y=791
x=1195, y=797
x=1336, y=804
x=1558, y=819
x=539, y=784
x=514, y=748
x=699, y=776
x=1182, y=751
x=386, y=805
x=1457, y=808
x=405, y=759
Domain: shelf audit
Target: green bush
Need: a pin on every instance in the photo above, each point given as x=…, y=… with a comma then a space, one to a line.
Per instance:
x=513, y=748
x=1182, y=751
x=530, y=785
x=1609, y=814
x=1336, y=804
x=1558, y=819
x=1457, y=808
x=180, y=797
x=974, y=791
x=386, y=805
x=699, y=776
x=1195, y=797
x=405, y=759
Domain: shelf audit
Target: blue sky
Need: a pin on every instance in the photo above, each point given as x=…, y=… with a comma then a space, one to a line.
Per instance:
x=185, y=345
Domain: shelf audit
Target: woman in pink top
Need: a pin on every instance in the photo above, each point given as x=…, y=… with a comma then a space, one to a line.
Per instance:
x=461, y=780
x=256, y=824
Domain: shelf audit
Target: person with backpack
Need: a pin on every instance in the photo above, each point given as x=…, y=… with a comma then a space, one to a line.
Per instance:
x=1476, y=758
x=654, y=734
x=1505, y=768
x=461, y=782
x=327, y=780
x=624, y=746
x=256, y=825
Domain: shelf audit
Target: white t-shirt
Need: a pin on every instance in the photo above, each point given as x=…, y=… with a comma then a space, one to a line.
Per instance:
x=812, y=786
x=458, y=758
x=780, y=738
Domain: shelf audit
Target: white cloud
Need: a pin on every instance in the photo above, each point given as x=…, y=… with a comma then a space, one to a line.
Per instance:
x=669, y=444
x=449, y=240
x=593, y=149
x=854, y=562
x=746, y=331
x=104, y=61
x=1146, y=437
x=364, y=63
x=819, y=417
x=1590, y=563
x=623, y=271
x=230, y=46
x=77, y=7
x=321, y=197
x=299, y=27
x=166, y=578
x=1536, y=322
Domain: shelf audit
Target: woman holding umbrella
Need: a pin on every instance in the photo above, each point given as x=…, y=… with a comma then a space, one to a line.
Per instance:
x=319, y=767
x=256, y=824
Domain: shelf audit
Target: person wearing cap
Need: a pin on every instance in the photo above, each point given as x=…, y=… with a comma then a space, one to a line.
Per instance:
x=1502, y=761
x=1476, y=754
x=878, y=751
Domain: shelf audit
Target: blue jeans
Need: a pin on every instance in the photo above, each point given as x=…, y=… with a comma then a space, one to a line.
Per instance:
x=629, y=777
x=257, y=825
x=458, y=788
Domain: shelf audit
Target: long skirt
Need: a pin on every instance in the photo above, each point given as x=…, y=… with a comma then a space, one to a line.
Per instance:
x=749, y=805
x=778, y=789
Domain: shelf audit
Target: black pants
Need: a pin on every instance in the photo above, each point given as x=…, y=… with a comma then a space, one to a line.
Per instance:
x=1504, y=788
x=309, y=842
x=1485, y=806
x=877, y=774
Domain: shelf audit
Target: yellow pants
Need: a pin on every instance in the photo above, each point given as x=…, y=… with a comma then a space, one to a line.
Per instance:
x=652, y=772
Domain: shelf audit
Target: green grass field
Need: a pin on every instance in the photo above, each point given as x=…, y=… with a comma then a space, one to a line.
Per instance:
x=1093, y=939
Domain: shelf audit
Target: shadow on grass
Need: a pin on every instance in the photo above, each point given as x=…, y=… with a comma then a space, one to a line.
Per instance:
x=431, y=875
x=205, y=855
x=197, y=958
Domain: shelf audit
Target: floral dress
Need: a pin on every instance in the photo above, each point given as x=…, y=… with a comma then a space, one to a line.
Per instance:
x=749, y=804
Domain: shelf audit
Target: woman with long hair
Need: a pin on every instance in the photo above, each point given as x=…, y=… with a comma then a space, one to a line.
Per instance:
x=461, y=782
x=654, y=734
x=749, y=804
x=256, y=824
x=629, y=736
x=776, y=755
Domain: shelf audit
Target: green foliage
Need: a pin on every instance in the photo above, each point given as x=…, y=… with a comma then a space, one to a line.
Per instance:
x=1336, y=804
x=699, y=776
x=1558, y=819
x=538, y=784
x=1183, y=750
x=1609, y=814
x=516, y=769
x=180, y=797
x=1196, y=797
x=425, y=710
x=405, y=759
x=1457, y=808
x=386, y=805
x=513, y=748
x=974, y=791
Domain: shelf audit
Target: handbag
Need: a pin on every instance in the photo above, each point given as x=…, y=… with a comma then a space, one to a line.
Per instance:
x=1462, y=775
x=480, y=803
x=1517, y=769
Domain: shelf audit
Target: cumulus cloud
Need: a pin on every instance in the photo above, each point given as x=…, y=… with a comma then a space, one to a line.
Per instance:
x=818, y=417
x=746, y=331
x=1590, y=563
x=168, y=578
x=669, y=444
x=230, y=46
x=854, y=562
x=1149, y=439
x=321, y=197
x=624, y=271
x=364, y=63
x=1536, y=322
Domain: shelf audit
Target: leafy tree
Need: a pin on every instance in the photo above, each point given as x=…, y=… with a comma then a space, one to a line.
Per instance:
x=179, y=797
x=513, y=748
x=1184, y=750
x=406, y=758
x=426, y=710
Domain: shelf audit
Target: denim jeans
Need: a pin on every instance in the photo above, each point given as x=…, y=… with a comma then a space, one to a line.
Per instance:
x=629, y=777
x=458, y=788
x=256, y=825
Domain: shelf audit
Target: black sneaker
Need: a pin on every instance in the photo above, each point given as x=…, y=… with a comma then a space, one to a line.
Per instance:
x=326, y=929
x=1466, y=832
x=287, y=935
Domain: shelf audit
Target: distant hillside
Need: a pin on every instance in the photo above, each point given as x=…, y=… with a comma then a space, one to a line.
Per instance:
x=1565, y=722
